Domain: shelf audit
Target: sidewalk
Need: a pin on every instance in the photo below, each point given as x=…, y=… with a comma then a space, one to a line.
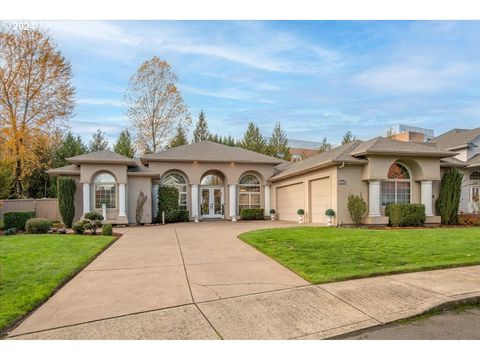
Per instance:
x=302, y=312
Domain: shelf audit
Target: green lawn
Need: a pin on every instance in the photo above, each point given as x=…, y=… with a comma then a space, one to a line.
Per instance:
x=33, y=266
x=329, y=254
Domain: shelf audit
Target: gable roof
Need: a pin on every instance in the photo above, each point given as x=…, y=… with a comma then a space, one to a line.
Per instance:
x=71, y=169
x=355, y=152
x=101, y=157
x=474, y=161
x=456, y=138
x=209, y=151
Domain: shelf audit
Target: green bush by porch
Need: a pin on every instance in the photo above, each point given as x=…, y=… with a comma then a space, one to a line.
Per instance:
x=17, y=219
x=66, y=199
x=328, y=254
x=33, y=266
x=406, y=214
x=252, y=214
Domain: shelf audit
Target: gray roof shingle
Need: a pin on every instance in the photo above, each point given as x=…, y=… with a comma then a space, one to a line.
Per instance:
x=209, y=151
x=456, y=138
x=104, y=156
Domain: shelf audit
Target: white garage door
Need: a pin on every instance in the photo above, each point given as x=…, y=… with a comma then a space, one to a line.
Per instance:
x=320, y=199
x=289, y=199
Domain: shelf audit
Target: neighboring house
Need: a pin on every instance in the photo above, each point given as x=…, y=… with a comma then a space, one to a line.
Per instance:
x=217, y=181
x=466, y=143
x=301, y=149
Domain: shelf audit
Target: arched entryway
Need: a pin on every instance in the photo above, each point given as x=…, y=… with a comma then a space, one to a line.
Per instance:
x=212, y=195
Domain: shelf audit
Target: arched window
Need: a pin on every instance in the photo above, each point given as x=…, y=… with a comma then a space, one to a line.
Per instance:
x=211, y=180
x=249, y=192
x=475, y=175
x=177, y=180
x=105, y=191
x=396, y=190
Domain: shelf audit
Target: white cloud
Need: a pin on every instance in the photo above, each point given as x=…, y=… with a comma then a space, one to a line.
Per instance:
x=232, y=94
x=101, y=102
x=412, y=78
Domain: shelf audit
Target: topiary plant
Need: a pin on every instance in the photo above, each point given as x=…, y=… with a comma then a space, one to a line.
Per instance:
x=357, y=207
x=78, y=227
x=449, y=198
x=272, y=211
x=329, y=212
x=300, y=212
x=168, y=203
x=93, y=220
x=107, y=229
x=66, y=199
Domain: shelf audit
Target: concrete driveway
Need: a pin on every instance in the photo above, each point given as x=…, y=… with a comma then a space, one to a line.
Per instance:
x=199, y=281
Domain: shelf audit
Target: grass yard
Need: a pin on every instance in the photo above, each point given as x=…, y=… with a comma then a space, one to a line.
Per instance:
x=321, y=254
x=33, y=266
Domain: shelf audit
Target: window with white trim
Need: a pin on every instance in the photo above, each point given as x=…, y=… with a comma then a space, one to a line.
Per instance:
x=180, y=182
x=249, y=192
x=397, y=188
x=105, y=191
x=475, y=175
x=475, y=193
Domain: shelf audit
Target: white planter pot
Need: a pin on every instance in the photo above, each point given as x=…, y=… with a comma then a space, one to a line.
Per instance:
x=272, y=217
x=330, y=221
x=300, y=219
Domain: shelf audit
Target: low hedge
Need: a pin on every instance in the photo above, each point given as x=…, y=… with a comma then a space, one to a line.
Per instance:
x=469, y=219
x=17, y=219
x=183, y=216
x=37, y=226
x=107, y=229
x=252, y=214
x=406, y=214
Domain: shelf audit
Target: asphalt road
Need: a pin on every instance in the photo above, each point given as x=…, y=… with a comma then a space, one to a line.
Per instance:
x=459, y=324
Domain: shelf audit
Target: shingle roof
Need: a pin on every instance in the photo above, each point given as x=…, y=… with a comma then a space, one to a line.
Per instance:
x=104, y=156
x=456, y=138
x=140, y=170
x=65, y=170
x=210, y=151
x=354, y=152
x=474, y=161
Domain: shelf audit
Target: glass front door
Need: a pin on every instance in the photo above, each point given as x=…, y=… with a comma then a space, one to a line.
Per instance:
x=212, y=202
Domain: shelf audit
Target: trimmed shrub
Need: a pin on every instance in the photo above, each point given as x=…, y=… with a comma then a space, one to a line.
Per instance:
x=78, y=227
x=17, y=219
x=66, y=199
x=300, y=212
x=183, y=216
x=93, y=216
x=329, y=212
x=406, y=214
x=252, y=214
x=449, y=198
x=469, y=219
x=37, y=226
x=357, y=208
x=272, y=211
x=11, y=231
x=2, y=225
x=168, y=203
x=107, y=229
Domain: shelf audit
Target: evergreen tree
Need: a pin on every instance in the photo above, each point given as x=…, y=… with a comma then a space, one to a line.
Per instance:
x=324, y=145
x=201, y=130
x=253, y=140
x=124, y=144
x=348, y=137
x=179, y=139
x=99, y=142
x=448, y=200
x=279, y=143
x=69, y=147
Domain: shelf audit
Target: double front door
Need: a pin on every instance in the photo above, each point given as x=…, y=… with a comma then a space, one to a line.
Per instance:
x=212, y=202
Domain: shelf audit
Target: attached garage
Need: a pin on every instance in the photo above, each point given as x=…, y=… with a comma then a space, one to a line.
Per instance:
x=290, y=198
x=320, y=199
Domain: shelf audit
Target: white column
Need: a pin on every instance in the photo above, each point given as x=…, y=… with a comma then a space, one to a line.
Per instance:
x=154, y=201
x=374, y=198
x=426, y=196
x=195, y=202
x=267, y=200
x=121, y=200
x=233, y=201
x=86, y=198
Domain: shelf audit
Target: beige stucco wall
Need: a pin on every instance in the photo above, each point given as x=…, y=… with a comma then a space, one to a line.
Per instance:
x=135, y=185
x=78, y=198
x=420, y=168
x=352, y=175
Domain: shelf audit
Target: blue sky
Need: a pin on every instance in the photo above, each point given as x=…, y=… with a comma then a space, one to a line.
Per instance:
x=317, y=78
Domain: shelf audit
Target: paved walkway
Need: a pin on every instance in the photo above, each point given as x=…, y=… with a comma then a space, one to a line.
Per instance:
x=198, y=281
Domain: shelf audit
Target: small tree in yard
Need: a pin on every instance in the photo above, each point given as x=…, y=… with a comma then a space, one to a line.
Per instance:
x=93, y=221
x=357, y=207
x=66, y=199
x=168, y=203
x=141, y=200
x=449, y=197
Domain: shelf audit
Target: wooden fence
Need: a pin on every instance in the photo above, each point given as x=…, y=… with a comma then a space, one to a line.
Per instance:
x=44, y=208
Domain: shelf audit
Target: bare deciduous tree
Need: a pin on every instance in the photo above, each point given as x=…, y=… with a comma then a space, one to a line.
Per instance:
x=36, y=97
x=155, y=105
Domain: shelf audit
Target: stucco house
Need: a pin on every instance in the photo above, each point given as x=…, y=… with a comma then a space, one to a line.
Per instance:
x=217, y=181
x=466, y=143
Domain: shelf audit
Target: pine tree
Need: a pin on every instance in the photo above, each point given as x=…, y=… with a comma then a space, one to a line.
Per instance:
x=324, y=145
x=179, y=139
x=69, y=147
x=124, y=144
x=253, y=140
x=99, y=142
x=348, y=137
x=449, y=198
x=201, y=132
x=279, y=143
